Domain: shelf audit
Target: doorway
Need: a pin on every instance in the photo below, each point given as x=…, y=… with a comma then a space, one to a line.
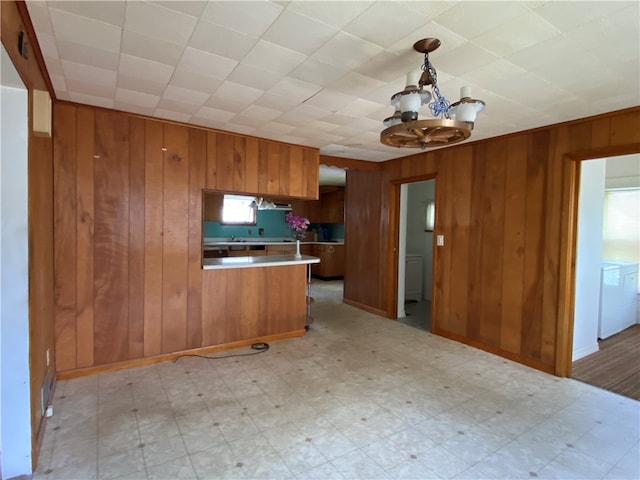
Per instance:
x=415, y=253
x=607, y=256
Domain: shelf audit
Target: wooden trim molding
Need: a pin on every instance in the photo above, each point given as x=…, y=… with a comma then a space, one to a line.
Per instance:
x=349, y=163
x=366, y=308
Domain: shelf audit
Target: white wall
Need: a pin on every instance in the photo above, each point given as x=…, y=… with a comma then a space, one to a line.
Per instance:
x=419, y=241
x=588, y=258
x=15, y=421
x=402, y=250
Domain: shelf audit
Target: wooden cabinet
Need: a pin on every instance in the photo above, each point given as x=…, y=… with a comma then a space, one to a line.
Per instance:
x=331, y=261
x=281, y=249
x=212, y=206
x=328, y=209
x=253, y=166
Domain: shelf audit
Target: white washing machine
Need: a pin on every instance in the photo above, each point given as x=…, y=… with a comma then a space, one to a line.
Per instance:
x=618, y=297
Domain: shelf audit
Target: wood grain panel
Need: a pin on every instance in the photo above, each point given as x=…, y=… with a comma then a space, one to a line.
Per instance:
x=252, y=169
x=297, y=179
x=197, y=167
x=153, y=216
x=64, y=225
x=225, y=162
x=175, y=245
x=111, y=238
x=239, y=165
x=263, y=166
x=84, y=237
x=273, y=168
x=311, y=167
x=212, y=164
x=285, y=179
x=514, y=243
x=624, y=128
x=457, y=207
x=136, y=237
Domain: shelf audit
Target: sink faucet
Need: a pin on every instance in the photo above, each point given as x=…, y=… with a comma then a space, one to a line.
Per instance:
x=233, y=238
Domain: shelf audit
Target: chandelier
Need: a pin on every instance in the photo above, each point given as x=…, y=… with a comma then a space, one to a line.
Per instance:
x=452, y=123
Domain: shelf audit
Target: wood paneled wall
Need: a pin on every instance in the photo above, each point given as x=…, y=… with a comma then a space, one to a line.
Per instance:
x=128, y=227
x=15, y=19
x=504, y=206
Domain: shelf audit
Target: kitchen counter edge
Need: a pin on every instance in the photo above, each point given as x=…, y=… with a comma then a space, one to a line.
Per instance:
x=259, y=261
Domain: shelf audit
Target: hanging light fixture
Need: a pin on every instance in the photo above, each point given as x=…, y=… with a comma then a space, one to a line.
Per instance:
x=452, y=123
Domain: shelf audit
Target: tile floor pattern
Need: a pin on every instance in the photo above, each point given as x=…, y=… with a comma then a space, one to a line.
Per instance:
x=357, y=397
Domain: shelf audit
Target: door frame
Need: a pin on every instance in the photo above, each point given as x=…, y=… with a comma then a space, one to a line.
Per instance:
x=568, y=247
x=392, y=253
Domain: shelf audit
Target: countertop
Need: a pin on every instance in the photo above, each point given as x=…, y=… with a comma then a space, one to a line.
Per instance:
x=252, y=262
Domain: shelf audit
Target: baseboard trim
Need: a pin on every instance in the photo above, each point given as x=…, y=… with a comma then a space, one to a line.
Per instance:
x=366, y=308
x=140, y=362
x=584, y=351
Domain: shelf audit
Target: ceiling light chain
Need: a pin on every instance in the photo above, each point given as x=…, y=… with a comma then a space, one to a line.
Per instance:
x=453, y=122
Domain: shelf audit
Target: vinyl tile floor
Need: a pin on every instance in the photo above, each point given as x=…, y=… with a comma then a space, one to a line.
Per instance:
x=358, y=397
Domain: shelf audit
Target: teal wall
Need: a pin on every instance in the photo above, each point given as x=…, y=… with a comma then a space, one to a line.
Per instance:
x=274, y=226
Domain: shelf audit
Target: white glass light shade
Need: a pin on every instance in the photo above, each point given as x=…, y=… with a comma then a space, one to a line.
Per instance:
x=466, y=111
x=410, y=102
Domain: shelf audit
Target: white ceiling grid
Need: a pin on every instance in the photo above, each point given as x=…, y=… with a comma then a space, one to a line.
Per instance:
x=320, y=73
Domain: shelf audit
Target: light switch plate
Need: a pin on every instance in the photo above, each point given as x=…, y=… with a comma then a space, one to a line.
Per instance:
x=440, y=240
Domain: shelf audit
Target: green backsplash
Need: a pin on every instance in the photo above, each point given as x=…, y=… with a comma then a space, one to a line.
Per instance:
x=274, y=227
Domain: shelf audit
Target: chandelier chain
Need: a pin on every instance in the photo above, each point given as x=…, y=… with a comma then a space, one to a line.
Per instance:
x=440, y=105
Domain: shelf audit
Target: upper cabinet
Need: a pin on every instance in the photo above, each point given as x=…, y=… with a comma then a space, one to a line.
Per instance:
x=254, y=166
x=328, y=209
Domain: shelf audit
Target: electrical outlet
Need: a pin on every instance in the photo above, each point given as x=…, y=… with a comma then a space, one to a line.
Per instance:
x=47, y=357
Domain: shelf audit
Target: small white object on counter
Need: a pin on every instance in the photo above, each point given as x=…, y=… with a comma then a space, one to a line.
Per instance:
x=260, y=261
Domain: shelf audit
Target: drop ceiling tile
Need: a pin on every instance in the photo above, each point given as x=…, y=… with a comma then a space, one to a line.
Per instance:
x=554, y=50
x=140, y=85
x=347, y=132
x=209, y=113
x=59, y=83
x=104, y=11
x=366, y=124
x=251, y=18
x=246, y=121
x=360, y=108
x=568, y=15
x=207, y=122
x=90, y=100
x=185, y=95
x=337, y=15
x=470, y=19
x=133, y=108
x=48, y=46
x=463, y=59
x=338, y=119
x=207, y=64
x=518, y=34
x=428, y=10
x=330, y=100
x=65, y=96
x=221, y=40
x=80, y=53
x=39, y=13
x=82, y=30
x=136, y=98
x=172, y=115
x=194, y=81
x=392, y=20
x=295, y=89
x=178, y=107
x=89, y=74
x=142, y=68
x=276, y=102
x=355, y=83
x=254, y=77
x=193, y=8
x=315, y=71
x=327, y=127
x=158, y=50
x=262, y=113
x=274, y=128
x=238, y=93
x=346, y=51
x=237, y=128
x=92, y=89
x=386, y=66
x=499, y=71
x=159, y=22
x=227, y=104
x=54, y=66
x=298, y=32
x=273, y=58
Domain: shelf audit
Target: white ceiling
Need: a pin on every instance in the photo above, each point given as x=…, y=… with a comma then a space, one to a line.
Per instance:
x=321, y=73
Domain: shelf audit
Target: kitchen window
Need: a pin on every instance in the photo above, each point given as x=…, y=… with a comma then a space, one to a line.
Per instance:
x=238, y=210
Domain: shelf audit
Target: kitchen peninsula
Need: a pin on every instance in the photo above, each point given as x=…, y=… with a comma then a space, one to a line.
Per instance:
x=254, y=298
